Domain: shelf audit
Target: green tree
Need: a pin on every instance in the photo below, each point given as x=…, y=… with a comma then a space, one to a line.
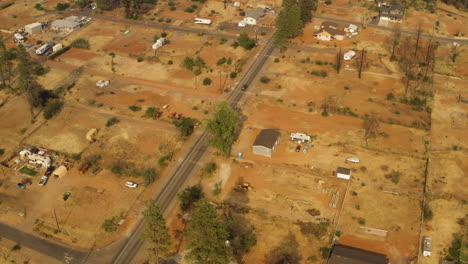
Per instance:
x=156, y=232
x=189, y=196
x=206, y=236
x=52, y=107
x=27, y=81
x=288, y=23
x=185, y=125
x=246, y=42
x=307, y=8
x=6, y=66
x=223, y=127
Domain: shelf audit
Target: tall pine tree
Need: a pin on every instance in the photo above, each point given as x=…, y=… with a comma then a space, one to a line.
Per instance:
x=288, y=22
x=307, y=8
x=27, y=81
x=156, y=232
x=5, y=65
x=207, y=236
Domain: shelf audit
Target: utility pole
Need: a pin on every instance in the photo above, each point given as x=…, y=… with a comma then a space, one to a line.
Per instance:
x=56, y=221
x=256, y=35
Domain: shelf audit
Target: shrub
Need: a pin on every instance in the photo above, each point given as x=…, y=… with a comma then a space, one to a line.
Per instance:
x=58, y=53
x=328, y=2
x=134, y=108
x=233, y=75
x=149, y=175
x=276, y=60
x=206, y=81
x=151, y=111
x=62, y=6
x=324, y=251
x=323, y=74
x=427, y=212
x=221, y=61
x=246, y=42
x=325, y=113
x=110, y=225
x=209, y=168
x=38, y=6
x=164, y=34
x=361, y=221
x=168, y=20
x=7, y=5
x=264, y=79
x=2, y=151
x=140, y=59
x=185, y=125
x=80, y=43
x=52, y=107
x=111, y=121
x=76, y=156
x=164, y=160
x=390, y=97
x=170, y=62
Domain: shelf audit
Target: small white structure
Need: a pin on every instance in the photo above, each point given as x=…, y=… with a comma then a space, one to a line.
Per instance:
x=241, y=24
x=91, y=135
x=343, y=173
x=353, y=160
x=33, y=28
x=351, y=28
x=236, y=4
x=349, y=55
x=159, y=43
x=37, y=159
x=102, y=83
x=57, y=47
x=427, y=246
x=300, y=137
x=252, y=16
x=19, y=37
x=202, y=21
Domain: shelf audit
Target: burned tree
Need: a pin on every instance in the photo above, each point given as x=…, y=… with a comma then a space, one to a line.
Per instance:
x=328, y=104
x=371, y=127
x=395, y=40
x=338, y=61
x=361, y=62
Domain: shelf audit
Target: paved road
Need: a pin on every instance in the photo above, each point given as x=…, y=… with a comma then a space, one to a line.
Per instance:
x=178, y=177
x=54, y=250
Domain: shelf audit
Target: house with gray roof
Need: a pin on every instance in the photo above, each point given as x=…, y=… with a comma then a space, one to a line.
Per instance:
x=252, y=16
x=265, y=142
x=391, y=12
x=65, y=25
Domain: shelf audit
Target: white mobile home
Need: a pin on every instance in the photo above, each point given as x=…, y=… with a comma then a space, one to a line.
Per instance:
x=300, y=137
x=33, y=28
x=202, y=21
x=37, y=159
x=427, y=246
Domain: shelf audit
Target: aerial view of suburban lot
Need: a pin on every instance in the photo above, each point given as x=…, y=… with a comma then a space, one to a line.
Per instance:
x=224, y=131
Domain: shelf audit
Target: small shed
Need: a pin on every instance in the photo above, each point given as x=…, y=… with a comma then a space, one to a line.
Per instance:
x=57, y=47
x=349, y=55
x=265, y=142
x=252, y=16
x=91, y=135
x=343, y=173
x=33, y=28
x=60, y=172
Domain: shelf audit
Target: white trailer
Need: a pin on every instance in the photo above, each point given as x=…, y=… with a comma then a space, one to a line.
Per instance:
x=202, y=21
x=159, y=43
x=57, y=47
x=44, y=48
x=427, y=246
x=19, y=37
x=300, y=137
x=349, y=55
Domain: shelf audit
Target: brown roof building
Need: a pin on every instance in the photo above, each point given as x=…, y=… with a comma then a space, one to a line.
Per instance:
x=348, y=255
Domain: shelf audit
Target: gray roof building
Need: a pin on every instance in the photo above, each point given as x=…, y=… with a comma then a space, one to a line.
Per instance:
x=348, y=255
x=392, y=12
x=252, y=16
x=265, y=142
x=66, y=25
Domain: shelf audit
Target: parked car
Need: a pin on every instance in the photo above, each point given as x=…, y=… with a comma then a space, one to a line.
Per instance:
x=244, y=87
x=26, y=181
x=39, y=42
x=130, y=184
x=43, y=180
x=49, y=171
x=298, y=148
x=22, y=186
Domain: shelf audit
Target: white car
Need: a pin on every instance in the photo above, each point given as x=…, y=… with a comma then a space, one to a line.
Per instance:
x=43, y=180
x=130, y=184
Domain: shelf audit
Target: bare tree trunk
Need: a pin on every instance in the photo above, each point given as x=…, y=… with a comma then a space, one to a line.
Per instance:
x=361, y=63
x=339, y=58
x=418, y=38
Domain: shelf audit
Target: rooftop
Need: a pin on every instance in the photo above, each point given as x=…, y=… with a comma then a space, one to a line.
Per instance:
x=348, y=255
x=255, y=13
x=267, y=138
x=61, y=23
x=345, y=171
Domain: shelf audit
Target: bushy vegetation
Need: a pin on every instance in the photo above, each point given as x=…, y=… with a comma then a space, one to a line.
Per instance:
x=223, y=128
x=194, y=65
x=185, y=125
x=110, y=225
x=59, y=52
x=151, y=112
x=189, y=196
x=62, y=6
x=246, y=42
x=111, y=121
x=207, y=81
x=80, y=43
x=264, y=79
x=52, y=107
x=134, y=108
x=28, y=171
